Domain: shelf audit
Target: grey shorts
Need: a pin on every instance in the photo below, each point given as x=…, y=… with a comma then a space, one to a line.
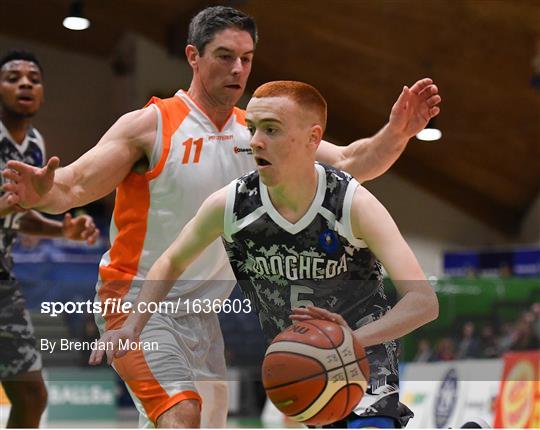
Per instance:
x=189, y=350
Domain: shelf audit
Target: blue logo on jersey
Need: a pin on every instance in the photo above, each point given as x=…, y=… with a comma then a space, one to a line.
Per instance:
x=329, y=241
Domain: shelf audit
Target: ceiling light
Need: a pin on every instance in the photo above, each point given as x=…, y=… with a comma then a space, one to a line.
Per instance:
x=75, y=20
x=430, y=133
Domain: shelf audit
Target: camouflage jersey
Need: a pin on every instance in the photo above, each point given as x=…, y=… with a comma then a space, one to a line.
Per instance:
x=315, y=261
x=18, y=353
x=30, y=151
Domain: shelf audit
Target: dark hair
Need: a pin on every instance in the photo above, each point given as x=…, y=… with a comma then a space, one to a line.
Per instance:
x=20, y=55
x=204, y=26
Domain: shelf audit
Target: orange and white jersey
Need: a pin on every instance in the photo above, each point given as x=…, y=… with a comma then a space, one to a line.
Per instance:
x=193, y=158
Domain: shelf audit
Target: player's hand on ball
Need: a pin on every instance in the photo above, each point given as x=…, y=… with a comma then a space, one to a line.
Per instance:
x=109, y=344
x=315, y=371
x=315, y=313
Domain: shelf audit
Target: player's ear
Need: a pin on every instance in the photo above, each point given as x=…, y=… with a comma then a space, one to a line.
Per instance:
x=316, y=135
x=192, y=54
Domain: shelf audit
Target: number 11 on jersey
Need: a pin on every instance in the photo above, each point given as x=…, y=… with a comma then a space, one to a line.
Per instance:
x=198, y=148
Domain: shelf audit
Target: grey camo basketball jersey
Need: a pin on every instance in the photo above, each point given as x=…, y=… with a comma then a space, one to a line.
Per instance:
x=315, y=261
x=31, y=151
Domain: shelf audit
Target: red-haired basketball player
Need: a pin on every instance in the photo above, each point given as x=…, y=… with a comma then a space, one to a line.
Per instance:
x=302, y=233
x=165, y=160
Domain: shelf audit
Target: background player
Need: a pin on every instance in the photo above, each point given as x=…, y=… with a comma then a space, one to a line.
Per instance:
x=165, y=160
x=297, y=233
x=21, y=95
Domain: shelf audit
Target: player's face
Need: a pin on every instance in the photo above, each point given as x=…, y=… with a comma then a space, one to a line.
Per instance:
x=282, y=139
x=225, y=66
x=21, y=88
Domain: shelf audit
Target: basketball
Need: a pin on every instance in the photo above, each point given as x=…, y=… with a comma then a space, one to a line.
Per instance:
x=315, y=372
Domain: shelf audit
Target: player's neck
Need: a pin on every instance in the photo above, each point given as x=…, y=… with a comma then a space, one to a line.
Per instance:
x=16, y=126
x=216, y=111
x=293, y=198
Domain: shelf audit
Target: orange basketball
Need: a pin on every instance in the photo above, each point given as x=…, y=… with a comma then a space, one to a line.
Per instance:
x=315, y=372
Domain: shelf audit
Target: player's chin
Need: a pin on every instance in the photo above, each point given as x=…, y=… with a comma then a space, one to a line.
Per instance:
x=267, y=177
x=231, y=96
x=26, y=112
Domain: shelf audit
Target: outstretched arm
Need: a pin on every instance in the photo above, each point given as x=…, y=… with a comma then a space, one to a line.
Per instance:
x=33, y=223
x=79, y=228
x=370, y=157
x=418, y=303
x=195, y=237
x=94, y=175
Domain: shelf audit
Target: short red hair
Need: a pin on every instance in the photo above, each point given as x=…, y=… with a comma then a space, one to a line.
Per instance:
x=306, y=96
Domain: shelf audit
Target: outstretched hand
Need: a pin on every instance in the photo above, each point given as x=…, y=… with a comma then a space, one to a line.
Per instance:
x=81, y=227
x=414, y=107
x=28, y=184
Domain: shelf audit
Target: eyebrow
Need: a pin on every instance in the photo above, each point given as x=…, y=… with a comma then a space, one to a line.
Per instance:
x=264, y=120
x=223, y=48
x=31, y=71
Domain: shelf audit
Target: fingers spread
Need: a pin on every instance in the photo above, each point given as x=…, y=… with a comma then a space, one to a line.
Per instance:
x=90, y=240
x=88, y=221
x=53, y=163
x=13, y=199
x=420, y=85
x=10, y=187
x=433, y=100
x=401, y=102
x=429, y=91
x=19, y=166
x=11, y=174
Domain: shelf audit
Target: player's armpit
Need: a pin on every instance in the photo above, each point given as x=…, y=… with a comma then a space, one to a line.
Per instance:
x=372, y=223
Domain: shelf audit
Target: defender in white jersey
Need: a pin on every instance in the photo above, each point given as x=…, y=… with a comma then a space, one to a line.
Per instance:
x=156, y=166
x=297, y=229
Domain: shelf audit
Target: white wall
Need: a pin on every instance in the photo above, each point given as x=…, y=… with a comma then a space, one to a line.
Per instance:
x=429, y=224
x=77, y=91
x=530, y=228
x=157, y=72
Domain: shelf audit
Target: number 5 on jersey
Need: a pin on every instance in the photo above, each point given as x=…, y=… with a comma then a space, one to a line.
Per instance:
x=188, y=144
x=296, y=302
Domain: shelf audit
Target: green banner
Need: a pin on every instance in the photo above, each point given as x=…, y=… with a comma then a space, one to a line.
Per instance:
x=81, y=394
